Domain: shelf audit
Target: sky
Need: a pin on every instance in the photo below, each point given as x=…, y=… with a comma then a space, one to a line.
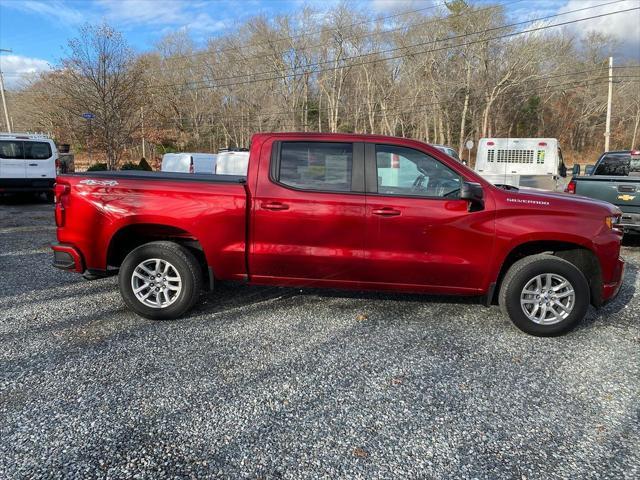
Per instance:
x=37, y=31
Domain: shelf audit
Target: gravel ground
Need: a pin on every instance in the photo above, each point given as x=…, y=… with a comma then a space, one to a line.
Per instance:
x=279, y=383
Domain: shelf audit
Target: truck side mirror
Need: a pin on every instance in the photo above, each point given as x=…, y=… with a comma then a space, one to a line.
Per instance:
x=473, y=193
x=575, y=171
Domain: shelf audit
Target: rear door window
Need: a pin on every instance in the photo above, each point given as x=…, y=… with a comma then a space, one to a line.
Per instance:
x=10, y=149
x=316, y=166
x=619, y=164
x=37, y=150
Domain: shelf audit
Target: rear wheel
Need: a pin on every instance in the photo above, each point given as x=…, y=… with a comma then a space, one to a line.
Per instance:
x=544, y=295
x=160, y=280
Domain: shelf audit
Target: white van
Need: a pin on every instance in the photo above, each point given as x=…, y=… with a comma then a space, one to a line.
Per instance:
x=522, y=162
x=189, y=162
x=28, y=163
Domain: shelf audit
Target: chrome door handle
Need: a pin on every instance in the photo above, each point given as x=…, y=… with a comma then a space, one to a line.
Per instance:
x=275, y=206
x=386, y=212
x=33, y=164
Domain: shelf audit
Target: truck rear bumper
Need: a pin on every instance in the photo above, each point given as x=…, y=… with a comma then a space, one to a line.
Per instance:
x=611, y=289
x=67, y=257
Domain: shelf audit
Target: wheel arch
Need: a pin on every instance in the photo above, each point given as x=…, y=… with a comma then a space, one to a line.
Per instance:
x=131, y=236
x=579, y=255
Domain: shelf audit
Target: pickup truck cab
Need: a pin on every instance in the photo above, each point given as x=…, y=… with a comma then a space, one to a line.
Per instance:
x=614, y=179
x=341, y=211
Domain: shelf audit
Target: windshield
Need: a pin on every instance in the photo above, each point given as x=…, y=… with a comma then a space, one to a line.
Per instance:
x=619, y=164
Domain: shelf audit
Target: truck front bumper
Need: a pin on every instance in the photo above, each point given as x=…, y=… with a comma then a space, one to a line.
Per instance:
x=67, y=257
x=630, y=221
x=610, y=290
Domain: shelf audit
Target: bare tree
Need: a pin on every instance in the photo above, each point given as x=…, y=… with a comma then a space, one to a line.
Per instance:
x=102, y=76
x=444, y=75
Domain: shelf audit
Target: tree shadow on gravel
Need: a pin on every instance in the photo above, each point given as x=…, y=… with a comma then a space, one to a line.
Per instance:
x=618, y=304
x=228, y=296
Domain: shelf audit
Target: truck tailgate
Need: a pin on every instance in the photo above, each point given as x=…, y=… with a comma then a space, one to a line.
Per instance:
x=623, y=192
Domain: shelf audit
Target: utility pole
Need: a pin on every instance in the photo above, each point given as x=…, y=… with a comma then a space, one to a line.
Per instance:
x=143, y=142
x=607, y=132
x=4, y=100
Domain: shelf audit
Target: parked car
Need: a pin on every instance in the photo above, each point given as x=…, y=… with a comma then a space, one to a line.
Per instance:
x=449, y=151
x=615, y=179
x=28, y=163
x=341, y=211
x=522, y=162
x=189, y=162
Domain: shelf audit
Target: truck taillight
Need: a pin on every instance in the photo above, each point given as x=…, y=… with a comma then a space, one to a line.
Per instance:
x=191, y=169
x=571, y=187
x=59, y=191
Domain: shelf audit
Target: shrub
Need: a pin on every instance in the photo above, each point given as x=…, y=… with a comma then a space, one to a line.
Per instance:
x=97, y=167
x=129, y=166
x=144, y=165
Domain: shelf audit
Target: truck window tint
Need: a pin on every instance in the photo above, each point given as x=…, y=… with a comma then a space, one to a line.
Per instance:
x=316, y=166
x=11, y=149
x=618, y=164
x=404, y=171
x=37, y=150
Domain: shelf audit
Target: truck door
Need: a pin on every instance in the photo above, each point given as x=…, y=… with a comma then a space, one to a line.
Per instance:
x=308, y=221
x=12, y=164
x=419, y=233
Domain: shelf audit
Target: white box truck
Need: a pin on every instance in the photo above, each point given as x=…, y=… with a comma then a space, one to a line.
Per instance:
x=522, y=162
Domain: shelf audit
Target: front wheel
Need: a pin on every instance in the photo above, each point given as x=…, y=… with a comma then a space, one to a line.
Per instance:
x=160, y=280
x=544, y=295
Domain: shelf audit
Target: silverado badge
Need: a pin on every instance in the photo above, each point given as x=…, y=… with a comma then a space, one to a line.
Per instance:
x=626, y=197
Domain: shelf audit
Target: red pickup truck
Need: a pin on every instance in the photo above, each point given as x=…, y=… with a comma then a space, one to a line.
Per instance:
x=341, y=211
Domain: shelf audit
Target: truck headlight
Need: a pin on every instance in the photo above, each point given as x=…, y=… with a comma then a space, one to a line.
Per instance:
x=613, y=222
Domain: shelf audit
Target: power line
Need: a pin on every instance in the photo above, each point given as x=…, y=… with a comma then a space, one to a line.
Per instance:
x=348, y=37
x=545, y=77
x=317, y=32
x=561, y=87
x=385, y=59
x=268, y=115
x=549, y=89
x=304, y=48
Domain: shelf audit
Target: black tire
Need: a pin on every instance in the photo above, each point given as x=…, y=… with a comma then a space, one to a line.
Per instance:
x=183, y=262
x=526, y=269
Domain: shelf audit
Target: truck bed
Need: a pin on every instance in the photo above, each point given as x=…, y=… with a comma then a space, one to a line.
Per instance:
x=104, y=207
x=144, y=175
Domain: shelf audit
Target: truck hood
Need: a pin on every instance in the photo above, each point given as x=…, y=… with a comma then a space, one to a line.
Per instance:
x=563, y=201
